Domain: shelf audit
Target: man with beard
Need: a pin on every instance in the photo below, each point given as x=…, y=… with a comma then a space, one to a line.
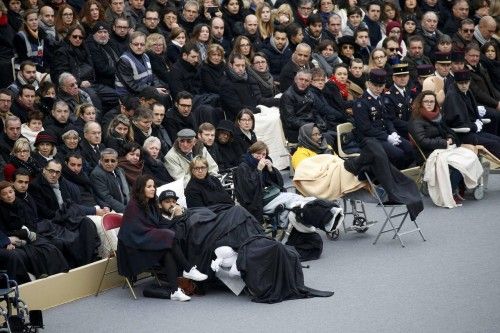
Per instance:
x=415, y=56
x=46, y=23
x=372, y=20
x=300, y=60
x=104, y=53
x=217, y=32
x=24, y=103
x=185, y=71
x=56, y=124
x=150, y=23
x=206, y=134
x=313, y=34
x=251, y=30
x=25, y=75
x=277, y=51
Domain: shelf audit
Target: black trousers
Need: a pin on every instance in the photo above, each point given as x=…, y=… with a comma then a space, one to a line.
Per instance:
x=173, y=260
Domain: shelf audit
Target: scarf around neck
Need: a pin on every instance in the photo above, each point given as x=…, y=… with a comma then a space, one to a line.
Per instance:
x=342, y=87
x=305, y=140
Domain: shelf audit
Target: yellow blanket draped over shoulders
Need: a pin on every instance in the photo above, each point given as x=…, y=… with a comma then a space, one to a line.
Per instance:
x=324, y=176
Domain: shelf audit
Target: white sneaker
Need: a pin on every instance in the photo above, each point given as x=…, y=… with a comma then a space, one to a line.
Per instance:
x=194, y=274
x=179, y=296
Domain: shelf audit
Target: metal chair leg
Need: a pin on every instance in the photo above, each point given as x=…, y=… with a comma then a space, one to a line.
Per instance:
x=102, y=277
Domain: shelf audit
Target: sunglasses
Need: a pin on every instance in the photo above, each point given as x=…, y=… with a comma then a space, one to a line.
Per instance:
x=347, y=47
x=109, y=160
x=393, y=49
x=77, y=36
x=469, y=31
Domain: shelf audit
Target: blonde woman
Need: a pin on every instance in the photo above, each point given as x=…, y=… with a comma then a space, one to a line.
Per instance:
x=156, y=49
x=265, y=23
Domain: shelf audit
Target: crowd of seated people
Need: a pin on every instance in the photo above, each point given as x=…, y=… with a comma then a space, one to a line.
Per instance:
x=90, y=103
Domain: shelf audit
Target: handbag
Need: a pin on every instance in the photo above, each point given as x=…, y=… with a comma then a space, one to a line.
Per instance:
x=270, y=193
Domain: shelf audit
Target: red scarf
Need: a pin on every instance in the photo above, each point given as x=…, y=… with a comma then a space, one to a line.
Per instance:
x=429, y=115
x=342, y=87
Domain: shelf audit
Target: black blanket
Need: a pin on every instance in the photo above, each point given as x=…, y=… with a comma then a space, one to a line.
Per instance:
x=272, y=271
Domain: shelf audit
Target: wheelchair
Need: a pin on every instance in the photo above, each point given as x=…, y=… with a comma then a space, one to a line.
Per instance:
x=17, y=317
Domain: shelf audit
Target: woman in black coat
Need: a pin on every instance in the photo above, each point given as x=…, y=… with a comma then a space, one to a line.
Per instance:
x=35, y=254
x=244, y=129
x=143, y=243
x=212, y=70
x=156, y=48
x=153, y=164
x=203, y=189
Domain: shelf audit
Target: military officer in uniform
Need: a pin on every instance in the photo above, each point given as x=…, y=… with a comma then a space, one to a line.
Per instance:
x=397, y=99
x=372, y=122
x=424, y=71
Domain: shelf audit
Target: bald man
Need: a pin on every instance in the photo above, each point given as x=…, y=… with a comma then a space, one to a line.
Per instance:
x=485, y=30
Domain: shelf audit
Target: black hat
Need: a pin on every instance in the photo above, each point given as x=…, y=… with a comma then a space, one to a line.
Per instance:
x=346, y=40
x=377, y=76
x=409, y=17
x=167, y=194
x=400, y=69
x=186, y=133
x=44, y=136
x=442, y=57
x=149, y=93
x=98, y=26
x=425, y=70
x=462, y=75
x=226, y=125
x=457, y=56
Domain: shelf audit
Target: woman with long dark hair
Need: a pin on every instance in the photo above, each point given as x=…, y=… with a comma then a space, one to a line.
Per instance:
x=144, y=242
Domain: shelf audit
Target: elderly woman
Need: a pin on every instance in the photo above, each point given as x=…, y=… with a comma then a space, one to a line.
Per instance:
x=144, y=243
x=70, y=141
x=152, y=161
x=212, y=71
x=20, y=157
x=244, y=129
x=204, y=189
x=21, y=248
x=119, y=133
x=45, y=148
x=130, y=160
x=156, y=49
x=431, y=134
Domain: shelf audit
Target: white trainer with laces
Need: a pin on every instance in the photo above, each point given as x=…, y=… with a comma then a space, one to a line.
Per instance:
x=194, y=274
x=179, y=296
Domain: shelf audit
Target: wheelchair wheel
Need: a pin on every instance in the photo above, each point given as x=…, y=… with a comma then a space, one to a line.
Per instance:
x=359, y=224
x=334, y=235
x=479, y=192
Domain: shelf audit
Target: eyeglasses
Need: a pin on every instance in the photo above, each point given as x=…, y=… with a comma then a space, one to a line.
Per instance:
x=53, y=172
x=379, y=57
x=468, y=31
x=260, y=62
x=429, y=101
x=393, y=49
x=202, y=168
x=77, y=36
x=109, y=160
x=138, y=44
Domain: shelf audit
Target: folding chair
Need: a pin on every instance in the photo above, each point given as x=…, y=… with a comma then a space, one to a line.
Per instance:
x=343, y=129
x=291, y=148
x=390, y=215
x=112, y=221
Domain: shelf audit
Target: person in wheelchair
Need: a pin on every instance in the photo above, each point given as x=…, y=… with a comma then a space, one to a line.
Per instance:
x=432, y=137
x=203, y=189
x=144, y=243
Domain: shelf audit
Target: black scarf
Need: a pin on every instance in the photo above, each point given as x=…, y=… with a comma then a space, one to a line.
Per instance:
x=31, y=165
x=80, y=179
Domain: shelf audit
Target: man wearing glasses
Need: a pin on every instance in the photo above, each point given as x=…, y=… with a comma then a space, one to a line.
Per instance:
x=463, y=36
x=150, y=23
x=109, y=182
x=180, y=116
x=185, y=148
x=120, y=34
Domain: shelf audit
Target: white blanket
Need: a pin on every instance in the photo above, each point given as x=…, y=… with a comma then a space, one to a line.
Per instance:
x=437, y=173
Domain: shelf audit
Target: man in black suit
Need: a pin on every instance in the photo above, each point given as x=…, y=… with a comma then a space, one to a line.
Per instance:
x=91, y=145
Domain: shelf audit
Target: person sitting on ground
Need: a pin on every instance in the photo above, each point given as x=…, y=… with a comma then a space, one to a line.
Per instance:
x=153, y=164
x=204, y=189
x=131, y=161
x=143, y=244
x=185, y=148
x=430, y=133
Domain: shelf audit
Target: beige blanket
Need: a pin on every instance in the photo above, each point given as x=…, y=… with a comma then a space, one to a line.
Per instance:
x=324, y=177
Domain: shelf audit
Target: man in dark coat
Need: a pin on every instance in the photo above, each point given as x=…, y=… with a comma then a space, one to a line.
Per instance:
x=277, y=51
x=120, y=34
x=397, y=99
x=185, y=71
x=11, y=133
x=180, y=116
x=459, y=12
x=238, y=90
x=460, y=111
x=372, y=20
x=372, y=121
x=430, y=33
x=158, y=130
x=463, y=36
x=415, y=56
x=91, y=144
x=300, y=60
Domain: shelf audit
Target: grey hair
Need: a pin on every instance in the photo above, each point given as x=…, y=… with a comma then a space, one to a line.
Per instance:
x=63, y=77
x=192, y=3
x=11, y=118
x=70, y=133
x=109, y=151
x=151, y=140
x=88, y=124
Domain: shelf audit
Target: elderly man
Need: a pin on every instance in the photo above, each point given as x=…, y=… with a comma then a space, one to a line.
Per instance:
x=300, y=60
x=71, y=93
x=91, y=145
x=56, y=124
x=460, y=110
x=485, y=30
x=185, y=148
x=430, y=33
x=104, y=53
x=109, y=182
x=334, y=28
